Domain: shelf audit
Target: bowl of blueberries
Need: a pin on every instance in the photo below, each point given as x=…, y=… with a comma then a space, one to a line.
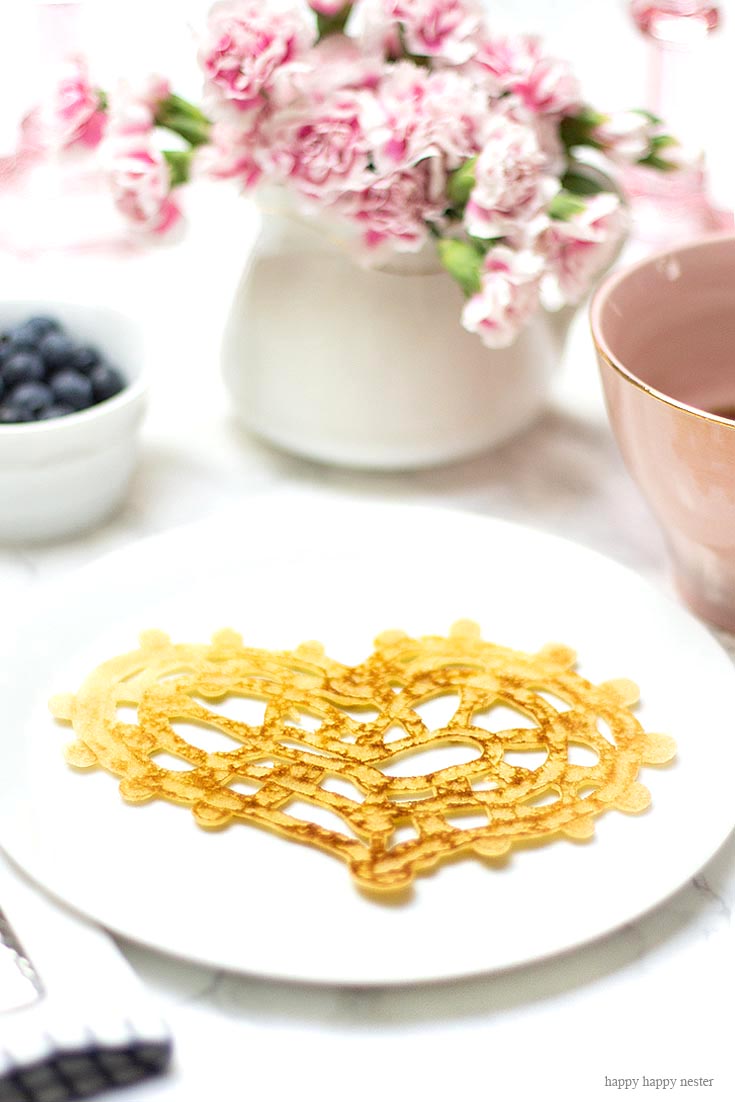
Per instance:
x=72, y=394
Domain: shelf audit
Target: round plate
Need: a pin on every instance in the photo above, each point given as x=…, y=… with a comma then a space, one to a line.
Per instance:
x=287, y=569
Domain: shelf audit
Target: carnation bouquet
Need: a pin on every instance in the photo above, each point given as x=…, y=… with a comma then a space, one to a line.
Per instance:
x=408, y=122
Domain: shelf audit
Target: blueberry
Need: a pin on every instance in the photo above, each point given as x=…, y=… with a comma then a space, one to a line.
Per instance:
x=24, y=336
x=22, y=367
x=12, y=344
x=106, y=382
x=31, y=397
x=73, y=389
x=40, y=325
x=83, y=359
x=13, y=415
x=55, y=349
x=58, y=409
x=21, y=334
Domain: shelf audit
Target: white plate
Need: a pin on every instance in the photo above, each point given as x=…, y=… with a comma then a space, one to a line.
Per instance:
x=283, y=572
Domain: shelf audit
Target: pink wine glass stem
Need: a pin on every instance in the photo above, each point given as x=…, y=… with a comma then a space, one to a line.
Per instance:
x=676, y=29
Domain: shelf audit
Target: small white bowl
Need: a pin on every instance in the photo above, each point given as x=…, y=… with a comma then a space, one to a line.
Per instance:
x=60, y=476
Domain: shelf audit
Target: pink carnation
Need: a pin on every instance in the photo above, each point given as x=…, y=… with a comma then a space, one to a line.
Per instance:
x=153, y=90
x=508, y=298
x=546, y=128
x=321, y=147
x=578, y=249
x=229, y=155
x=545, y=85
x=141, y=186
x=443, y=29
x=247, y=43
x=421, y=114
x=128, y=115
x=328, y=7
x=438, y=28
x=511, y=182
x=75, y=116
x=625, y=136
x=335, y=63
x=458, y=115
x=139, y=173
x=373, y=29
x=395, y=212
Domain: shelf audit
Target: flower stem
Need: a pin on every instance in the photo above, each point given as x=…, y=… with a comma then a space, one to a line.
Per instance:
x=333, y=24
x=183, y=118
x=179, y=165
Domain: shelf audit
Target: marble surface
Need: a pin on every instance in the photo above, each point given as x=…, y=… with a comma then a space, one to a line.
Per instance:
x=654, y=999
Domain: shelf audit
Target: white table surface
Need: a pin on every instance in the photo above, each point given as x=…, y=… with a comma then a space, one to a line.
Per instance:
x=654, y=999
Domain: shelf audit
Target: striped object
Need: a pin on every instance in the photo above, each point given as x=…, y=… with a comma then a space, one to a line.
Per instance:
x=92, y=1026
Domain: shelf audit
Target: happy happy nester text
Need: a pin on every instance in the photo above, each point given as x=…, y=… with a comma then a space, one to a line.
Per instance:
x=656, y=1084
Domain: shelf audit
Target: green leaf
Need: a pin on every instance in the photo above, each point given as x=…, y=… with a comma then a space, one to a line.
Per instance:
x=333, y=24
x=662, y=141
x=564, y=206
x=483, y=244
x=190, y=130
x=461, y=183
x=577, y=129
x=590, y=117
x=179, y=165
x=183, y=118
x=184, y=107
x=648, y=115
x=102, y=100
x=652, y=161
x=462, y=260
x=579, y=184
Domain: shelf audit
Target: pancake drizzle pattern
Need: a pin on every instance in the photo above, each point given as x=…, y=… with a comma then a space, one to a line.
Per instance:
x=283, y=762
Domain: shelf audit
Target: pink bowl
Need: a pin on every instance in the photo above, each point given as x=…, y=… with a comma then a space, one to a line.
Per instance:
x=664, y=331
